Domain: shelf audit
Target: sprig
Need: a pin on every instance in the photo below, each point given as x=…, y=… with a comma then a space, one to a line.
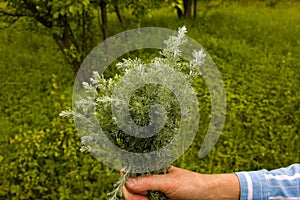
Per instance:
x=117, y=192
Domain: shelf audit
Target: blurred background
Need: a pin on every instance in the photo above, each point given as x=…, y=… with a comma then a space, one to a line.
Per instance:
x=255, y=44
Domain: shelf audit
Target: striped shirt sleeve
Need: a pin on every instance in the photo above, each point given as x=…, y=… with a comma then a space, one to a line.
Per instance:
x=279, y=184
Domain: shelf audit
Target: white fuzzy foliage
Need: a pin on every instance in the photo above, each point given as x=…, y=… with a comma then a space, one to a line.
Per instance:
x=66, y=113
x=174, y=42
x=96, y=78
x=129, y=64
x=198, y=60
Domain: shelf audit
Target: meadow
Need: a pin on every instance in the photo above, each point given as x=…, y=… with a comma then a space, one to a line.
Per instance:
x=257, y=50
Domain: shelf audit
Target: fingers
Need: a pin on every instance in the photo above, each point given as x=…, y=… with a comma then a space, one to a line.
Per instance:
x=138, y=185
x=137, y=188
x=122, y=171
x=163, y=183
x=131, y=196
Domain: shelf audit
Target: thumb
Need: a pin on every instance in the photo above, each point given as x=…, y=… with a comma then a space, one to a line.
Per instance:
x=143, y=184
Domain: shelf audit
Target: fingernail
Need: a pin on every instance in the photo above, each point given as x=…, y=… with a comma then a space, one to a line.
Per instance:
x=132, y=181
x=123, y=170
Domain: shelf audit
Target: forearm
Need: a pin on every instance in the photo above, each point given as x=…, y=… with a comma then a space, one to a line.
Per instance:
x=186, y=185
x=222, y=186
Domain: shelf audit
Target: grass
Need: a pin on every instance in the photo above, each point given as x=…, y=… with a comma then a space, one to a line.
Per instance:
x=29, y=63
x=256, y=49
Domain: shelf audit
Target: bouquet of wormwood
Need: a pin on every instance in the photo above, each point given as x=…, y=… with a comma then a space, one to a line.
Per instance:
x=140, y=108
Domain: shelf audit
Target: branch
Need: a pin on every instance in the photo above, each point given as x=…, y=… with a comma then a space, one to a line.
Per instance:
x=37, y=15
x=10, y=23
x=13, y=18
x=5, y=13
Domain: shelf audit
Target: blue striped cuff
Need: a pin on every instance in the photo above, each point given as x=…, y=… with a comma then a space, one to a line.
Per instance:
x=253, y=185
x=283, y=183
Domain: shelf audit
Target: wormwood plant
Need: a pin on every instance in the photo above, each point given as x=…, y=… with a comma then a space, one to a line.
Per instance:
x=149, y=104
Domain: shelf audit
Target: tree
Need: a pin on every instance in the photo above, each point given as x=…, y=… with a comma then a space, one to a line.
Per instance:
x=187, y=6
x=103, y=5
x=119, y=15
x=68, y=22
x=195, y=9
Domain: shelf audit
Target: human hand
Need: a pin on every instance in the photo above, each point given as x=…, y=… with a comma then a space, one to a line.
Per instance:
x=184, y=185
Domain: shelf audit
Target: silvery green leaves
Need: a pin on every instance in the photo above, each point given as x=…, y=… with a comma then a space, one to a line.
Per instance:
x=198, y=60
x=146, y=108
x=129, y=64
x=172, y=55
x=147, y=116
x=66, y=113
x=174, y=43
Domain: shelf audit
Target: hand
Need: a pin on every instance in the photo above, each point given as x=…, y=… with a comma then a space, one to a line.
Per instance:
x=184, y=185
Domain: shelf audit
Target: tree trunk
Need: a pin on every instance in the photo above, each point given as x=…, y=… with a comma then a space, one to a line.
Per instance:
x=84, y=33
x=66, y=40
x=120, y=17
x=187, y=5
x=65, y=43
x=195, y=9
x=104, y=25
x=64, y=46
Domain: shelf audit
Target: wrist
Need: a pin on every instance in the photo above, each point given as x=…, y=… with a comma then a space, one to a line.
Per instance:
x=223, y=186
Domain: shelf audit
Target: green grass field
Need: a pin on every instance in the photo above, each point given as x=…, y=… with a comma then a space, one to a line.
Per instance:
x=257, y=50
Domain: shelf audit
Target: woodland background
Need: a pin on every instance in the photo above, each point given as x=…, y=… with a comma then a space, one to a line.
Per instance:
x=255, y=44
